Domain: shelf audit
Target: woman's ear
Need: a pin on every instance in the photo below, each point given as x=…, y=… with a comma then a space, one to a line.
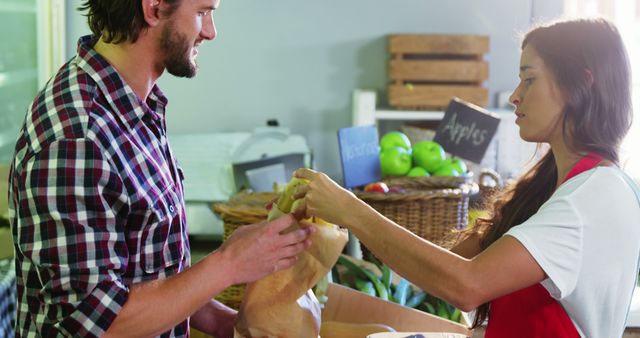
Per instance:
x=151, y=11
x=588, y=76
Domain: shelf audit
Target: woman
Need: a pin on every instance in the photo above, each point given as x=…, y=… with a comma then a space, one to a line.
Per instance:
x=559, y=255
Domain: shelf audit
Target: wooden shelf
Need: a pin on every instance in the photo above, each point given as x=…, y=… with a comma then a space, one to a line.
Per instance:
x=406, y=115
x=364, y=111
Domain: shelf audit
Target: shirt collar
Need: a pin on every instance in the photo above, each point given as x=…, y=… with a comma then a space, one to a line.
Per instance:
x=119, y=94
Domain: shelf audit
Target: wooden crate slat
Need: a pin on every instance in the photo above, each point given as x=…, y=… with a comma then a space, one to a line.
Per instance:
x=439, y=70
x=436, y=96
x=438, y=44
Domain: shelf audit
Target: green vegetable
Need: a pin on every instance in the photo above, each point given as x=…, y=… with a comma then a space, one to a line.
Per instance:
x=355, y=269
x=429, y=307
x=386, y=280
x=386, y=276
x=365, y=286
x=455, y=316
x=364, y=273
x=401, y=291
x=416, y=299
x=441, y=309
x=450, y=308
x=336, y=276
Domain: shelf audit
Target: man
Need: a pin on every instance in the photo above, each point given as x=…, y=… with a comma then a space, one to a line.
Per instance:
x=97, y=206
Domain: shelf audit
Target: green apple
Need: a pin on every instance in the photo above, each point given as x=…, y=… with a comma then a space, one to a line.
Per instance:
x=446, y=170
x=395, y=161
x=394, y=139
x=429, y=155
x=418, y=171
x=458, y=165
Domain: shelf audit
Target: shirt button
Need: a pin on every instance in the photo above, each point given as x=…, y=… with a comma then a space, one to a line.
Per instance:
x=171, y=209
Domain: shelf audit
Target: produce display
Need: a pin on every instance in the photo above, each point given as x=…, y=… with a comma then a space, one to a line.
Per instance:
x=354, y=274
x=395, y=161
x=394, y=139
x=425, y=158
x=428, y=155
x=377, y=187
x=282, y=304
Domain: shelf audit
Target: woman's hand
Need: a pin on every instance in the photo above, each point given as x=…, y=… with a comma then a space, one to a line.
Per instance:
x=324, y=198
x=258, y=250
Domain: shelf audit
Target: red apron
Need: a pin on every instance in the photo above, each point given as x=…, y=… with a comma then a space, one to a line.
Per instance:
x=532, y=312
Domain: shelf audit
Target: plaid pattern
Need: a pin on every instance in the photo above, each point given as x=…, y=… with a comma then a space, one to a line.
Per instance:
x=96, y=201
x=7, y=297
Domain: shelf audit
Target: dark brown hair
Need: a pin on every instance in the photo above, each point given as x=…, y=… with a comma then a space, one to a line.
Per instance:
x=119, y=21
x=596, y=116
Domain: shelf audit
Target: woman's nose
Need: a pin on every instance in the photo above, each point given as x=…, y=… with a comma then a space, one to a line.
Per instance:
x=514, y=99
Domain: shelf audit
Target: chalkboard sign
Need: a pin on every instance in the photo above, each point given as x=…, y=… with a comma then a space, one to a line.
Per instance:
x=359, y=155
x=466, y=130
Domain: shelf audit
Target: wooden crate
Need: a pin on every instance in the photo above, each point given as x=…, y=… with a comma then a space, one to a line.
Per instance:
x=426, y=71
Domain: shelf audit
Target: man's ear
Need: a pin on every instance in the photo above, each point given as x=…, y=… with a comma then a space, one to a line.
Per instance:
x=151, y=11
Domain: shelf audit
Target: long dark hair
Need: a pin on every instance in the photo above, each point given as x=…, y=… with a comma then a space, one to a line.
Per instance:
x=589, y=62
x=119, y=20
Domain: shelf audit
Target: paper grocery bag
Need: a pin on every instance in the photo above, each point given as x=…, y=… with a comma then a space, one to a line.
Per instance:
x=282, y=304
x=416, y=335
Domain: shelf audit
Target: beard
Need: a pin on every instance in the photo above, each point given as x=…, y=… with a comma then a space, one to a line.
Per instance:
x=177, y=52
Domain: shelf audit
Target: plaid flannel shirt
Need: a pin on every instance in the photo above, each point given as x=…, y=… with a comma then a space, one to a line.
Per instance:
x=96, y=201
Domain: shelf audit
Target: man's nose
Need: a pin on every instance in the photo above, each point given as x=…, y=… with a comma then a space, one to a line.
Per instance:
x=209, y=31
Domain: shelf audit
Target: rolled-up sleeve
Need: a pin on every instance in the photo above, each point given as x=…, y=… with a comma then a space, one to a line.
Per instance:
x=70, y=238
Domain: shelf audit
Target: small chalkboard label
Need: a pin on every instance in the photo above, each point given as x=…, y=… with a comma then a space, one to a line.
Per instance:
x=359, y=155
x=466, y=130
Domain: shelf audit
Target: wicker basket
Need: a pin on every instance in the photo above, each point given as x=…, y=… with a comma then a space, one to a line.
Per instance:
x=242, y=209
x=490, y=183
x=430, y=207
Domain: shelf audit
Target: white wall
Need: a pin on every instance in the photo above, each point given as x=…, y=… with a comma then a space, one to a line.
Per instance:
x=298, y=61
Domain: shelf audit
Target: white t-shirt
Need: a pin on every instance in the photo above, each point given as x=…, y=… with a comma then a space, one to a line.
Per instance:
x=586, y=238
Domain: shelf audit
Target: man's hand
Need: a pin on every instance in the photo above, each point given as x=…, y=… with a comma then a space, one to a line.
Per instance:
x=260, y=249
x=215, y=319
